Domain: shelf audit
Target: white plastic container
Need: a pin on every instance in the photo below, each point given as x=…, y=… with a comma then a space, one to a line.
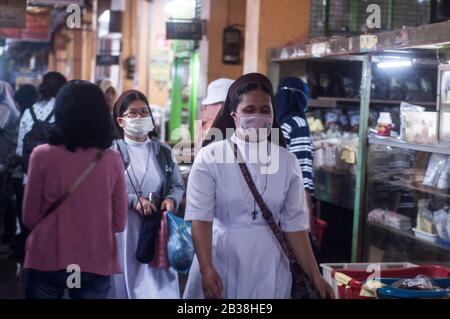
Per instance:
x=327, y=269
x=425, y=236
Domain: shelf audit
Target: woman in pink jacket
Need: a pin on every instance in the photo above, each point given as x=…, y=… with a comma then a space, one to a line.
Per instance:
x=73, y=246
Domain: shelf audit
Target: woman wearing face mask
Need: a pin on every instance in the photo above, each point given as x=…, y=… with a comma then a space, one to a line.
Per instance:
x=237, y=254
x=150, y=169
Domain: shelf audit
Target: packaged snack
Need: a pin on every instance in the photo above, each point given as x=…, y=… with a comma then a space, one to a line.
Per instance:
x=407, y=107
x=425, y=218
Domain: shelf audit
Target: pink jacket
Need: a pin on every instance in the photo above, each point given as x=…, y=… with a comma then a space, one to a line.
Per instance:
x=82, y=230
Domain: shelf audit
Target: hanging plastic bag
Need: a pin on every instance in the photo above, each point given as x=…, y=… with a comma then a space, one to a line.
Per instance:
x=180, y=248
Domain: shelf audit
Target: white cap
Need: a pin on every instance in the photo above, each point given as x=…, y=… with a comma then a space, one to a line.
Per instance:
x=217, y=91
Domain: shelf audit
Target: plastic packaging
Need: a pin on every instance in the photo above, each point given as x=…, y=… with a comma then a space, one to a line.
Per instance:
x=180, y=248
x=420, y=282
x=406, y=107
x=436, y=165
x=397, y=221
x=389, y=218
x=440, y=220
x=425, y=218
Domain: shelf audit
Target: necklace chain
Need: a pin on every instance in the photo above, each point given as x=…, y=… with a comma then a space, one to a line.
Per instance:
x=146, y=170
x=254, y=212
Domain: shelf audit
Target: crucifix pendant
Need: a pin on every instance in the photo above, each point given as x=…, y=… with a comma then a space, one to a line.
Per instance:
x=254, y=213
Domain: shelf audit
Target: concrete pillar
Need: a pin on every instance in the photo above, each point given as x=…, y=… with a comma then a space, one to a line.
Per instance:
x=89, y=40
x=77, y=54
x=273, y=23
x=129, y=28
x=142, y=46
x=252, y=36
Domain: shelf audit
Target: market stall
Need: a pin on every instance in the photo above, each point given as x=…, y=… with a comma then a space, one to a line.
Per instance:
x=392, y=88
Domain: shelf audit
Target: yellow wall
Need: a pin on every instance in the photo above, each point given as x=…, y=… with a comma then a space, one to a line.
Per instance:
x=280, y=22
x=216, y=23
x=128, y=42
x=158, y=91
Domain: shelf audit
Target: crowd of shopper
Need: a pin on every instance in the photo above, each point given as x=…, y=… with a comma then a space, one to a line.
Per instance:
x=82, y=173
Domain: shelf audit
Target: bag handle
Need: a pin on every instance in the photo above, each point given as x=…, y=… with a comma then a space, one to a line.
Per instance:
x=33, y=114
x=92, y=164
x=267, y=214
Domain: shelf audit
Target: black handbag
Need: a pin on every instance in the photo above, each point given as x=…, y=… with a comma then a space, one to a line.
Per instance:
x=302, y=287
x=145, y=250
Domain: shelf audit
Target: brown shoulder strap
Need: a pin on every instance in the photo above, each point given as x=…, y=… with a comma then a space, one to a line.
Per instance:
x=76, y=184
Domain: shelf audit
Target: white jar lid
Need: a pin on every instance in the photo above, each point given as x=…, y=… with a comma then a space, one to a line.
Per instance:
x=385, y=118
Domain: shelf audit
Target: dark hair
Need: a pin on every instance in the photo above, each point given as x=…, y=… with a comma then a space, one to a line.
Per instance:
x=121, y=106
x=52, y=82
x=82, y=118
x=237, y=97
x=26, y=96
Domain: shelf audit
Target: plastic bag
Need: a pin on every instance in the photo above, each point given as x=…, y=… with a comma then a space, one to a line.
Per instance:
x=407, y=107
x=441, y=220
x=180, y=248
x=436, y=166
x=420, y=282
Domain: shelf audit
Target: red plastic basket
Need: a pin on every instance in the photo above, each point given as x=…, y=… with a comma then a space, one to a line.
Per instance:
x=353, y=288
x=319, y=230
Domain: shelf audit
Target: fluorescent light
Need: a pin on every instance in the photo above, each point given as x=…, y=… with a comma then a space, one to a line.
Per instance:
x=394, y=64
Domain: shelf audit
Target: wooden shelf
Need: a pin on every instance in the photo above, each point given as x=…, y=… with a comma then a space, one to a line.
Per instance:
x=395, y=142
x=333, y=171
x=419, y=188
x=409, y=235
x=332, y=102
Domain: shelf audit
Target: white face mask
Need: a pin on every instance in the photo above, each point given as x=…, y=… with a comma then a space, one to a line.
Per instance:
x=138, y=127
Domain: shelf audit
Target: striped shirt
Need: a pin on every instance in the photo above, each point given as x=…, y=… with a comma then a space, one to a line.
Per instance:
x=299, y=142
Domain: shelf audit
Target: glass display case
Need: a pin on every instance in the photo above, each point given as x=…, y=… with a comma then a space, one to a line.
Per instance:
x=444, y=102
x=407, y=202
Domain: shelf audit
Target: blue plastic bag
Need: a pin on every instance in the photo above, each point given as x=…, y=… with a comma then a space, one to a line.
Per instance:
x=180, y=248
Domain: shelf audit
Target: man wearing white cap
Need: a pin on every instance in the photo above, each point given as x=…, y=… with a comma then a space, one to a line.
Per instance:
x=215, y=98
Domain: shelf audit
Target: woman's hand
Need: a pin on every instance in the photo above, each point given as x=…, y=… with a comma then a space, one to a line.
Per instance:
x=212, y=284
x=168, y=205
x=147, y=208
x=324, y=288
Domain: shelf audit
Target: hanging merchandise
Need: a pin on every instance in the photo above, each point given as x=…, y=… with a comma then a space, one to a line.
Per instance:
x=395, y=88
x=437, y=166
